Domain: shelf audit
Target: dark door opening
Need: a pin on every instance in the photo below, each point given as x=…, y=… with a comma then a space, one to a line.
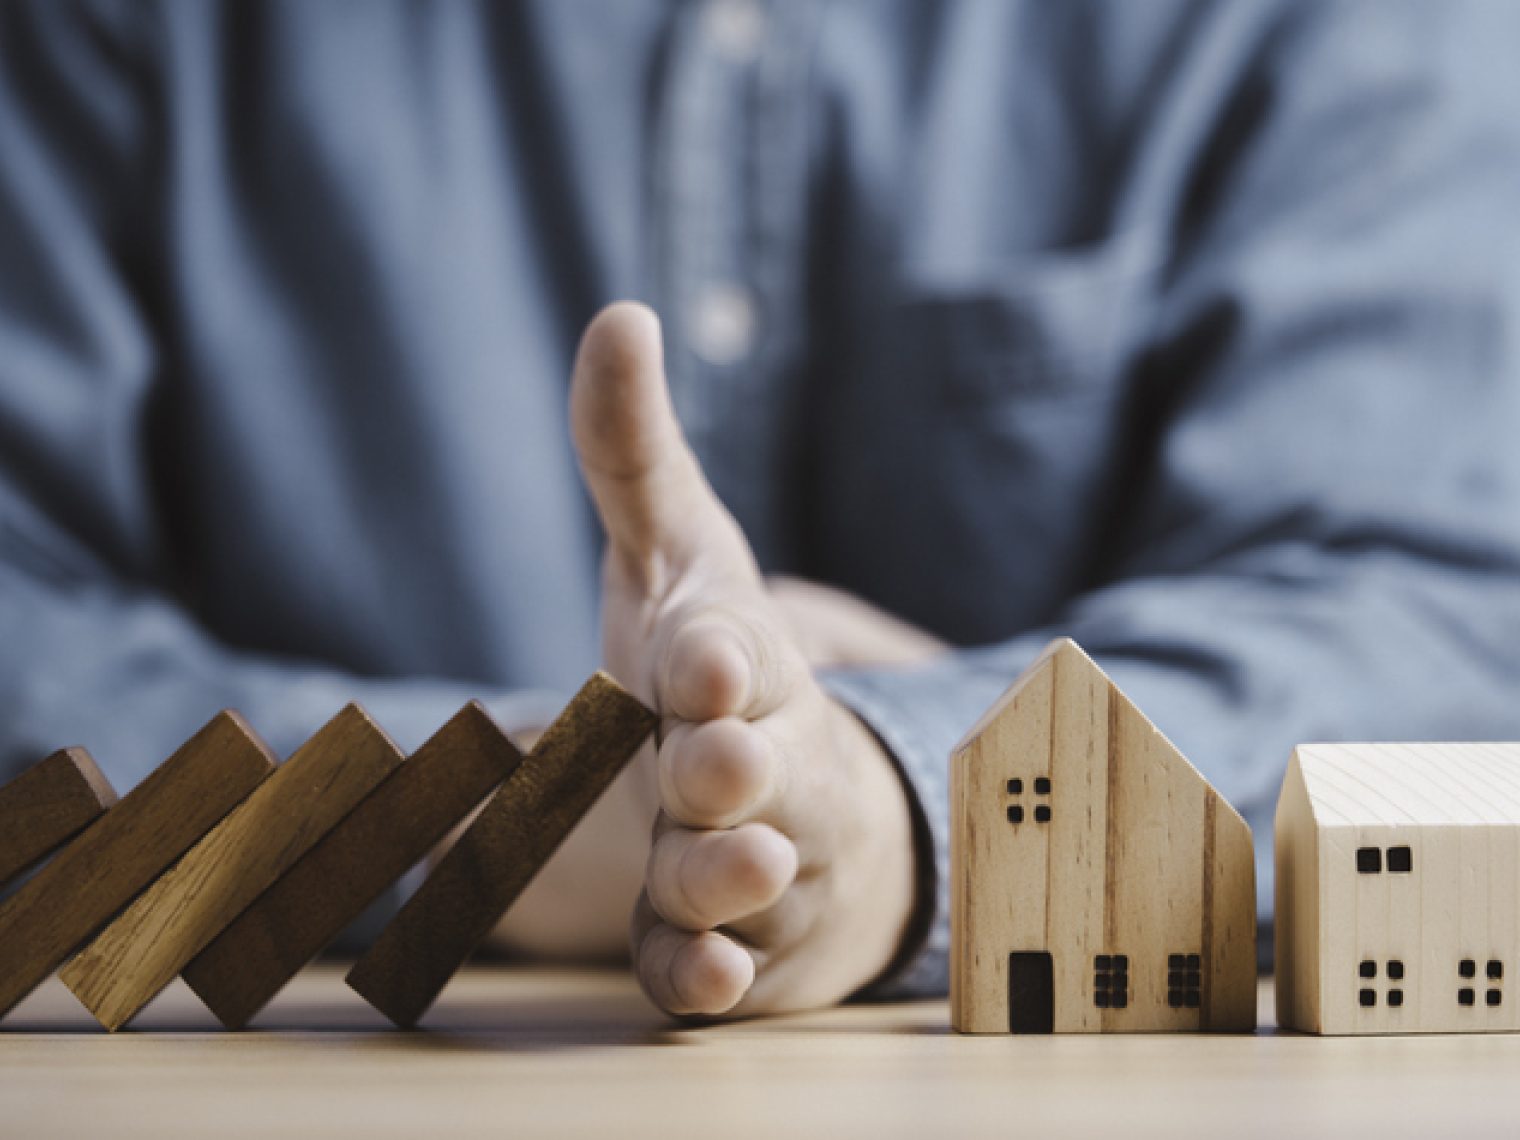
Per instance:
x=1031, y=993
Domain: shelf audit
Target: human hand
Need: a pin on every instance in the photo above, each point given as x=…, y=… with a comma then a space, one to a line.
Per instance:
x=781, y=875
x=837, y=629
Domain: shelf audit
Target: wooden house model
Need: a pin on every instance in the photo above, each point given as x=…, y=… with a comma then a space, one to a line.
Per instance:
x=1398, y=888
x=1098, y=883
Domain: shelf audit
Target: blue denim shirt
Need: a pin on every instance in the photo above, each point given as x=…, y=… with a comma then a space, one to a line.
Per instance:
x=1185, y=329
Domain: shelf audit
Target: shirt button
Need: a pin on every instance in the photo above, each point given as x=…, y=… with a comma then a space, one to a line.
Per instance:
x=736, y=28
x=724, y=323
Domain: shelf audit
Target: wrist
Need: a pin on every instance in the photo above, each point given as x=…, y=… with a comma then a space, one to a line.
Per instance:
x=886, y=846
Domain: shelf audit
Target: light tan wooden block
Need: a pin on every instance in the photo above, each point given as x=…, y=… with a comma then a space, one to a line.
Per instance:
x=1398, y=884
x=169, y=924
x=1098, y=883
x=116, y=857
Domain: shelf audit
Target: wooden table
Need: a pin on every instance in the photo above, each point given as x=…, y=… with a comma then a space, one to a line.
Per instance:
x=549, y=1053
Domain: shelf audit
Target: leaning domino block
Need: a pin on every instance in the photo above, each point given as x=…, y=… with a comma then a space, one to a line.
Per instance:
x=47, y=805
x=1098, y=883
x=394, y=827
x=154, y=938
x=104, y=869
x=1398, y=887
x=512, y=837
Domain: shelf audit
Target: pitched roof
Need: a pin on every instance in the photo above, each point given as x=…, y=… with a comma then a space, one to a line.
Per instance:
x=1066, y=655
x=1356, y=785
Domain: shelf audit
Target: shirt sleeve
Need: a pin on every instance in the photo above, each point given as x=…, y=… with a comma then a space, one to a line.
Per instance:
x=1323, y=541
x=97, y=650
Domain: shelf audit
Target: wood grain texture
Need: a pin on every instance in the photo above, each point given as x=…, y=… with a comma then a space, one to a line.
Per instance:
x=394, y=827
x=153, y=939
x=1398, y=888
x=47, y=805
x=519, y=828
x=561, y=1054
x=91, y=879
x=1078, y=830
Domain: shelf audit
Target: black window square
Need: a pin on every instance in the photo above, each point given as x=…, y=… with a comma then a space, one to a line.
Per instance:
x=1100, y=999
x=1494, y=997
x=1368, y=969
x=1495, y=969
x=1102, y=962
x=1465, y=996
x=1395, y=997
x=1100, y=979
x=1015, y=814
x=1121, y=999
x=1400, y=860
x=1367, y=997
x=1467, y=968
x=1121, y=961
x=1015, y=787
x=1042, y=785
x=1184, y=979
x=1369, y=860
x=1042, y=814
x=1395, y=969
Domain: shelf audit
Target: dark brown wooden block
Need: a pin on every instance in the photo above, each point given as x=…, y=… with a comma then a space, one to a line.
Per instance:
x=47, y=805
x=395, y=826
x=92, y=878
x=514, y=835
x=135, y=957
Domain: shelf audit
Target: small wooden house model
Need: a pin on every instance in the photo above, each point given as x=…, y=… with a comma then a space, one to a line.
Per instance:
x=1398, y=888
x=1098, y=883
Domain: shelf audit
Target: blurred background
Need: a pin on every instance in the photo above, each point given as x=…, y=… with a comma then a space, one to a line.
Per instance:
x=1184, y=329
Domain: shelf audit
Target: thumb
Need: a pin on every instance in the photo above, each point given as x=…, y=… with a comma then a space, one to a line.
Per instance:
x=659, y=512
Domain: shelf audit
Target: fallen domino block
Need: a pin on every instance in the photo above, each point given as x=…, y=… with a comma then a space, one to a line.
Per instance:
x=47, y=805
x=91, y=879
x=515, y=834
x=127, y=965
x=394, y=827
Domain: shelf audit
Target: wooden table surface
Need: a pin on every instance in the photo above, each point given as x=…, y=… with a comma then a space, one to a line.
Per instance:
x=549, y=1053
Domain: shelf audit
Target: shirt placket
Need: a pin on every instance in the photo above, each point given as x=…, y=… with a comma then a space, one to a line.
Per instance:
x=729, y=202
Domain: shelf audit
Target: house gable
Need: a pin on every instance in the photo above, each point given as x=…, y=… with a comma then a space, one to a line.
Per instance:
x=1078, y=829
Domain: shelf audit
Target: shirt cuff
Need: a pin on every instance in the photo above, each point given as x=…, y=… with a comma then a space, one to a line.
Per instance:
x=919, y=715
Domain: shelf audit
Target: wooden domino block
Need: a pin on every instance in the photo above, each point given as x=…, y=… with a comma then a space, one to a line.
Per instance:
x=91, y=879
x=1097, y=882
x=47, y=805
x=392, y=829
x=514, y=835
x=140, y=952
x=1398, y=889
